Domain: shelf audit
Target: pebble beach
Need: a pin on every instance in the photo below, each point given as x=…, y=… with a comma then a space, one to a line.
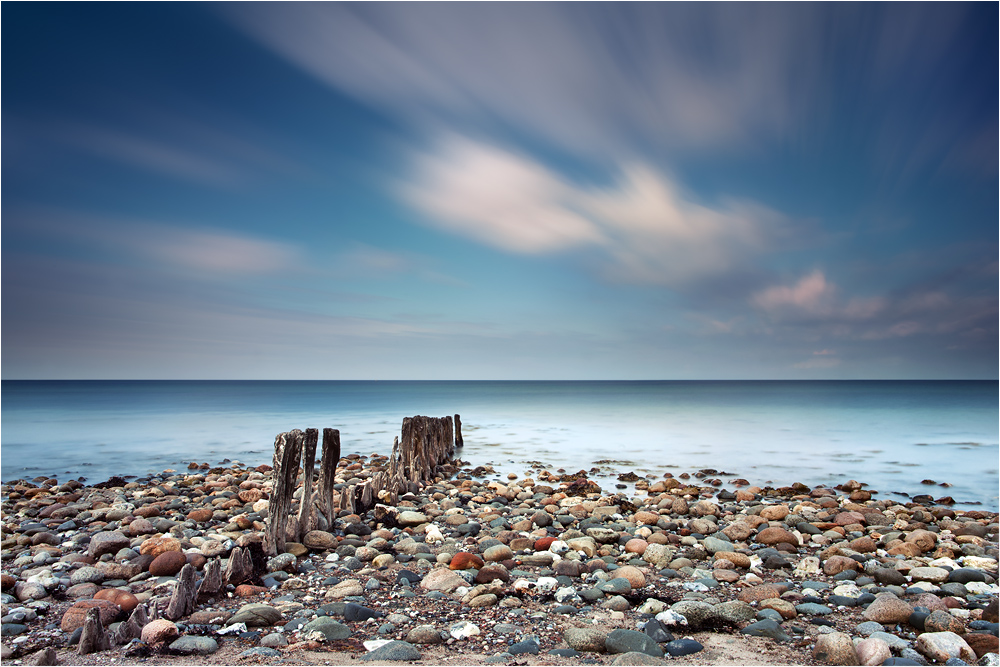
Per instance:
x=544, y=568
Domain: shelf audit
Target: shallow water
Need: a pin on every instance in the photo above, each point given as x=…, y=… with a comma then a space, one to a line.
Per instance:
x=891, y=435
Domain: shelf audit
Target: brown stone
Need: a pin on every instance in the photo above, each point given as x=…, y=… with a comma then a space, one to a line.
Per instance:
x=836, y=564
x=738, y=531
x=160, y=630
x=246, y=590
x=167, y=564
x=634, y=575
x=125, y=600
x=155, y=546
x=77, y=614
x=776, y=535
x=924, y=539
x=646, y=518
x=835, y=648
x=465, y=561
x=887, y=609
x=759, y=593
x=250, y=495
x=783, y=607
x=942, y=621
x=907, y=549
x=863, y=545
x=849, y=518
x=737, y=559
x=774, y=512
x=982, y=643
x=7, y=582
x=200, y=515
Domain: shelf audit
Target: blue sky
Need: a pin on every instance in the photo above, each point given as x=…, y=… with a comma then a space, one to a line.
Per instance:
x=499, y=191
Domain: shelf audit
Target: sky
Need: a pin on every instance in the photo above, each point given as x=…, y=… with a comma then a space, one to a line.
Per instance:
x=499, y=191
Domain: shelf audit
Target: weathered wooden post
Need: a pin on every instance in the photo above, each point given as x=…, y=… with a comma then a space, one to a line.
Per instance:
x=458, y=431
x=287, y=451
x=93, y=638
x=328, y=473
x=240, y=566
x=132, y=628
x=182, y=602
x=211, y=583
x=308, y=467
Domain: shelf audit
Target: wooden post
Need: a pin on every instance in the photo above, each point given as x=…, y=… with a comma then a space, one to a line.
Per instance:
x=328, y=473
x=182, y=602
x=94, y=638
x=308, y=467
x=458, y=431
x=240, y=566
x=211, y=583
x=132, y=628
x=287, y=451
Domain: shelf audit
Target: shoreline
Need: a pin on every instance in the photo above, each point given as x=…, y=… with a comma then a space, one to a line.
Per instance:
x=717, y=556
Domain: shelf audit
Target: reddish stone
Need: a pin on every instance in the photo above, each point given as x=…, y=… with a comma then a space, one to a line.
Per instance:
x=167, y=564
x=543, y=543
x=200, y=515
x=125, y=600
x=776, y=535
x=147, y=511
x=154, y=546
x=77, y=614
x=6, y=582
x=849, y=518
x=196, y=560
x=465, y=561
x=159, y=630
x=759, y=593
x=246, y=590
x=982, y=643
x=837, y=564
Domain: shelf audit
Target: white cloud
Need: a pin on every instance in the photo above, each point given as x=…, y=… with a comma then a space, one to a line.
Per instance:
x=197, y=250
x=580, y=76
x=822, y=362
x=813, y=296
x=644, y=228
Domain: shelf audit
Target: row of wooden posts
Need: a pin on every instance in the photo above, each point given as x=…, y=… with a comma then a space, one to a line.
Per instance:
x=424, y=444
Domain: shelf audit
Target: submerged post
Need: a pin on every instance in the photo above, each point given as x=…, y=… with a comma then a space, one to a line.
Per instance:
x=458, y=431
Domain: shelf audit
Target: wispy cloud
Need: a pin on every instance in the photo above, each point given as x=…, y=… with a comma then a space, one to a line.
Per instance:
x=814, y=296
x=644, y=227
x=192, y=249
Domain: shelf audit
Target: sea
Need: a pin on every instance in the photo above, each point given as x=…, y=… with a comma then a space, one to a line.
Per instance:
x=901, y=438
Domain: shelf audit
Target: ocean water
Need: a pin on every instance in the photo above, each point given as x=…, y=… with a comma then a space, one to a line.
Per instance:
x=890, y=435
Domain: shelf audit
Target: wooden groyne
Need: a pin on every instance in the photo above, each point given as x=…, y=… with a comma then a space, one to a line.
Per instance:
x=424, y=444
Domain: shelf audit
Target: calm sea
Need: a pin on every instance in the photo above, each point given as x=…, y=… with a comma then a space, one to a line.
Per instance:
x=891, y=435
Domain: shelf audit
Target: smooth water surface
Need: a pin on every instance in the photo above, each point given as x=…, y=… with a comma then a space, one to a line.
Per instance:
x=891, y=435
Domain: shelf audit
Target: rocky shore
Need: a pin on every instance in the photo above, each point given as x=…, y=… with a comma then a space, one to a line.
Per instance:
x=546, y=569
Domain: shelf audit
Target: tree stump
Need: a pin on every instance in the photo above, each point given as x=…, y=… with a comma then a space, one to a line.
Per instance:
x=182, y=602
x=306, y=513
x=211, y=583
x=287, y=450
x=328, y=473
x=240, y=567
x=94, y=639
x=132, y=628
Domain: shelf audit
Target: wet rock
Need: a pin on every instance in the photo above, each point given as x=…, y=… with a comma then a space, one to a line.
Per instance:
x=942, y=621
x=325, y=628
x=631, y=658
x=766, y=628
x=106, y=542
x=442, y=579
x=74, y=617
x=167, y=564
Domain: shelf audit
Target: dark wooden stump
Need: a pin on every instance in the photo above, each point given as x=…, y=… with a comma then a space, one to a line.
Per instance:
x=240, y=566
x=182, y=602
x=307, y=520
x=132, y=628
x=94, y=639
x=211, y=583
x=328, y=474
x=287, y=450
x=458, y=431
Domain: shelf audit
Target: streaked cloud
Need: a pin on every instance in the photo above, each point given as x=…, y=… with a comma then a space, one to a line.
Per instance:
x=644, y=227
x=814, y=296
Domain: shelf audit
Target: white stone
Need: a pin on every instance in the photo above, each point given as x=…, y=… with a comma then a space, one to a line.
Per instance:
x=463, y=630
x=558, y=547
x=565, y=594
x=848, y=591
x=546, y=584
x=806, y=567
x=671, y=617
